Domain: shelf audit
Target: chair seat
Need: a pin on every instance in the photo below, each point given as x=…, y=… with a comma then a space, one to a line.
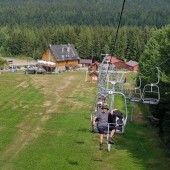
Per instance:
x=150, y=101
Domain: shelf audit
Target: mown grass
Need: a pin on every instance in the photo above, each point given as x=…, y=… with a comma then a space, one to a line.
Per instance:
x=12, y=100
x=66, y=141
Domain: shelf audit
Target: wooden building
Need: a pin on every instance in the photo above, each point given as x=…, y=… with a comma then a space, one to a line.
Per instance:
x=93, y=77
x=86, y=62
x=132, y=65
x=62, y=55
x=118, y=64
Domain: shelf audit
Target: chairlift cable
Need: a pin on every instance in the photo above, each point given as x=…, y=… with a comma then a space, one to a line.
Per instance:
x=117, y=31
x=118, y=25
x=163, y=62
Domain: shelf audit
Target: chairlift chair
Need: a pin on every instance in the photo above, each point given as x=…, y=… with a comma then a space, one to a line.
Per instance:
x=127, y=93
x=116, y=79
x=151, y=93
x=136, y=95
x=120, y=123
x=125, y=90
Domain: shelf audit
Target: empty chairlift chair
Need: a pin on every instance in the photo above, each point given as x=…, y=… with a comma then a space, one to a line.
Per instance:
x=115, y=79
x=127, y=93
x=151, y=93
x=136, y=95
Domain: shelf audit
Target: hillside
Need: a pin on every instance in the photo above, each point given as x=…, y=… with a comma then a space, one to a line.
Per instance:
x=45, y=124
x=84, y=12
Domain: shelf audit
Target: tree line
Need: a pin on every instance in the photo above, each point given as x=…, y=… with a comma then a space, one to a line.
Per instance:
x=84, y=12
x=90, y=42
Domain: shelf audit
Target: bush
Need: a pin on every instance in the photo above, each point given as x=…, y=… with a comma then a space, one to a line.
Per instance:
x=2, y=61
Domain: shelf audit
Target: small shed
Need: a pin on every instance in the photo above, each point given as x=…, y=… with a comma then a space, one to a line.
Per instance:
x=86, y=62
x=132, y=65
x=93, y=76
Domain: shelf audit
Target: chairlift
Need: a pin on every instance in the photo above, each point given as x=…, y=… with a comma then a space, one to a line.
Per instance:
x=136, y=95
x=127, y=92
x=116, y=78
x=151, y=93
x=109, y=84
x=120, y=121
x=120, y=124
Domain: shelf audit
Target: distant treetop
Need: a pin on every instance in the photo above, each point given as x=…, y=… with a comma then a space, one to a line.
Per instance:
x=84, y=12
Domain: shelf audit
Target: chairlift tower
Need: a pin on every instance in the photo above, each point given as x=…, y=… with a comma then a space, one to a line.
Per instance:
x=110, y=80
x=109, y=85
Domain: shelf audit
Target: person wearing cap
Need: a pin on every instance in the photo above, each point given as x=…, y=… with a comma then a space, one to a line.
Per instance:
x=99, y=104
x=98, y=110
x=102, y=119
x=99, y=107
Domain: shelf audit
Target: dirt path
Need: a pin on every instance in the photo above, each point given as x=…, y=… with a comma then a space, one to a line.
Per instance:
x=31, y=127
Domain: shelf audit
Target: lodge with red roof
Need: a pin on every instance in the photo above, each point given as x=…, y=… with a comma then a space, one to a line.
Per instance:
x=118, y=63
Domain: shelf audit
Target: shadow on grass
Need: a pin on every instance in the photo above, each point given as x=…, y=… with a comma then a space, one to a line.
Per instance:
x=79, y=142
x=98, y=160
x=87, y=118
x=75, y=163
x=84, y=130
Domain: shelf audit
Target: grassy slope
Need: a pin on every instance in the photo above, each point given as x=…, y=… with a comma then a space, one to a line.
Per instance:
x=54, y=116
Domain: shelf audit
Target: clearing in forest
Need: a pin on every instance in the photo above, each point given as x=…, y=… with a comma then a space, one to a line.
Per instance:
x=45, y=124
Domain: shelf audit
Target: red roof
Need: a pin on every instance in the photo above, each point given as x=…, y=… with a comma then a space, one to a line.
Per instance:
x=113, y=59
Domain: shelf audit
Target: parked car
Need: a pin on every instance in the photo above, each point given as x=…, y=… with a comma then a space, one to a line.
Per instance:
x=35, y=70
x=41, y=71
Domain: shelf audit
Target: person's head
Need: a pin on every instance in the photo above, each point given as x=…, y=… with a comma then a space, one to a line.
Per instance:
x=112, y=112
x=99, y=104
x=105, y=108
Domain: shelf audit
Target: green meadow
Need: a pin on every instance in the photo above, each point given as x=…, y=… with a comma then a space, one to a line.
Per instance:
x=45, y=124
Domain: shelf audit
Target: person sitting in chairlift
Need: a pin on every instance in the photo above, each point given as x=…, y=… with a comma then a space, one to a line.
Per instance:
x=98, y=107
x=115, y=113
x=102, y=119
x=99, y=104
